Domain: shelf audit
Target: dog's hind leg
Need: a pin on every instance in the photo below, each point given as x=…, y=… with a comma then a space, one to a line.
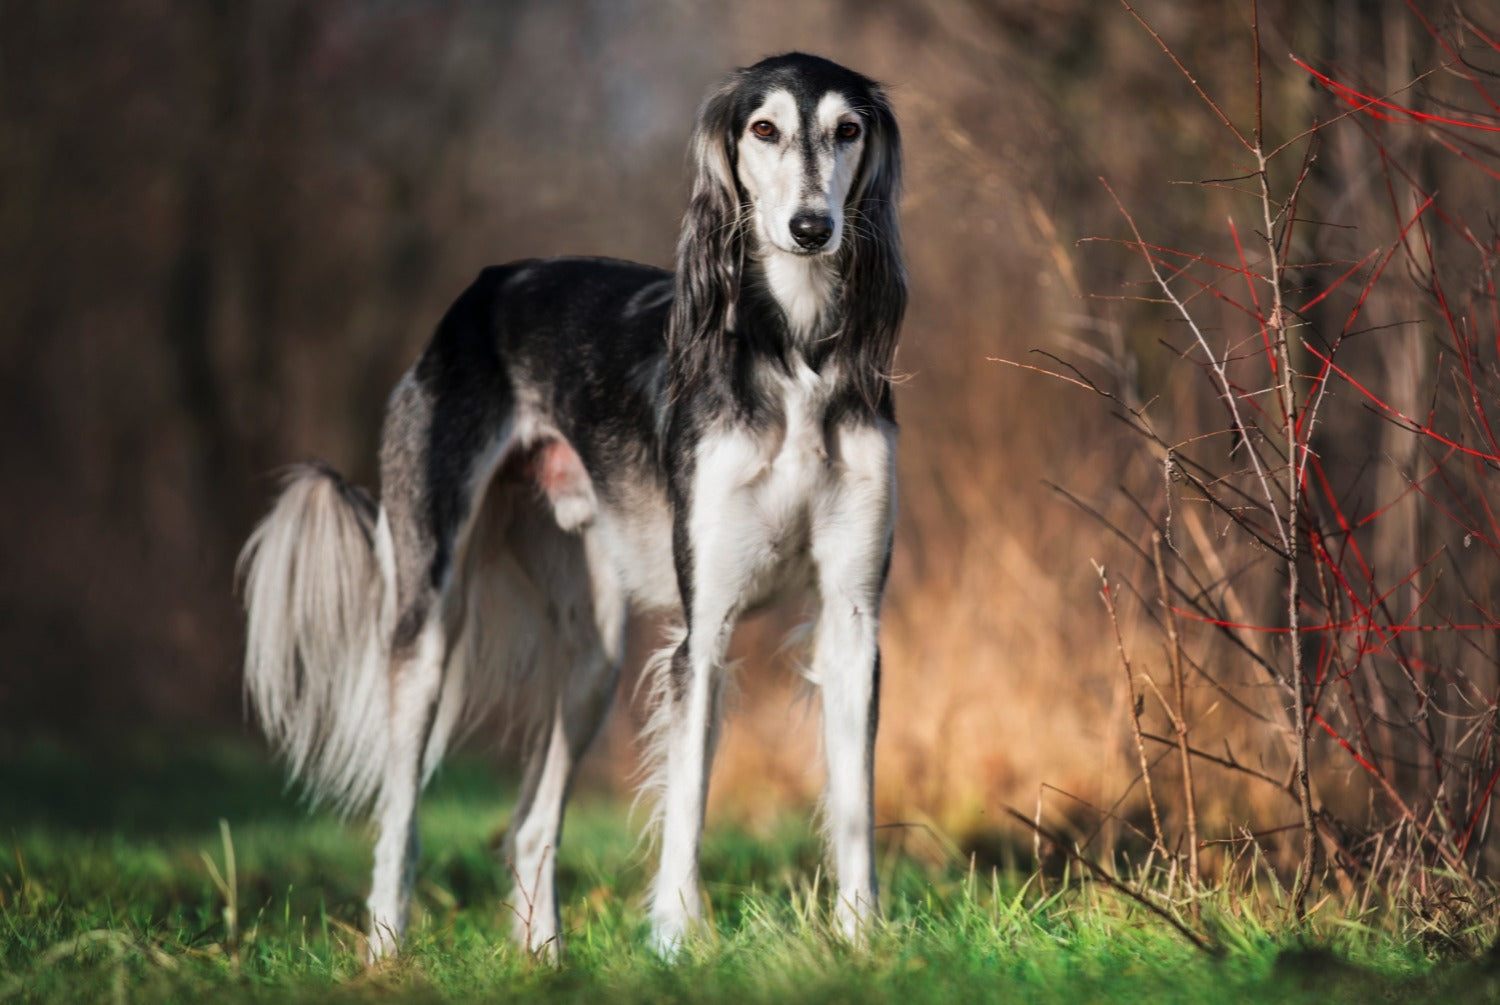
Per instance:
x=536, y=830
x=587, y=614
x=416, y=680
x=442, y=439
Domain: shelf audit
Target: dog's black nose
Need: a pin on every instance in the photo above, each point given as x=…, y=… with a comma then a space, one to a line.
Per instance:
x=811, y=230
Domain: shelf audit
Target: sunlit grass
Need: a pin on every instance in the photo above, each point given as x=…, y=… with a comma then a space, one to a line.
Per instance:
x=118, y=885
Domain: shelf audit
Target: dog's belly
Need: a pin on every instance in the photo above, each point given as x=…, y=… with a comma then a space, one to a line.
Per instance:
x=633, y=534
x=769, y=520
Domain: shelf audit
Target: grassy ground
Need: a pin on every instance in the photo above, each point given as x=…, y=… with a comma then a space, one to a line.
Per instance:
x=117, y=886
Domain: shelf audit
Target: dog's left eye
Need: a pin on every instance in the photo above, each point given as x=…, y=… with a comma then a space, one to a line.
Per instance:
x=847, y=130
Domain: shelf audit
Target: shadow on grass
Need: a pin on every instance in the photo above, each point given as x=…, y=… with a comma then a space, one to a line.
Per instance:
x=129, y=827
x=160, y=784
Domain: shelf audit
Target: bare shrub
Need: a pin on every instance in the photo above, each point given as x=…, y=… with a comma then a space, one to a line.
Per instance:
x=1317, y=547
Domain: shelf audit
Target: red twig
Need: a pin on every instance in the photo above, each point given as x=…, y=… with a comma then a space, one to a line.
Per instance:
x=1390, y=111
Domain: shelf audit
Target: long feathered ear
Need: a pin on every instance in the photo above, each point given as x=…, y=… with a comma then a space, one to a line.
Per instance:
x=710, y=249
x=874, y=297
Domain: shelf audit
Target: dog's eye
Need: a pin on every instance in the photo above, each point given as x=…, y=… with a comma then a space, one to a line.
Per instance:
x=848, y=130
x=764, y=130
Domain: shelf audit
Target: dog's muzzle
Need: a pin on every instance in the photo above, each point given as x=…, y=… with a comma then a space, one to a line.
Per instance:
x=811, y=231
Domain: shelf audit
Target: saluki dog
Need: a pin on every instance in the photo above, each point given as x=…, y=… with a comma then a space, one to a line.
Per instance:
x=584, y=438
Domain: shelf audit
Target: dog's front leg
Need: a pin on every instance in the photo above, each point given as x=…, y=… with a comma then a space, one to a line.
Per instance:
x=851, y=540
x=717, y=551
x=689, y=736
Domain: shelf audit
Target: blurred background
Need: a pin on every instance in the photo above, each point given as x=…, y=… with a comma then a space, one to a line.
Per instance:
x=226, y=229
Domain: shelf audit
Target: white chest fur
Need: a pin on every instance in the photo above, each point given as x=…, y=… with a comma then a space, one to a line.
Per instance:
x=755, y=493
x=803, y=286
x=794, y=458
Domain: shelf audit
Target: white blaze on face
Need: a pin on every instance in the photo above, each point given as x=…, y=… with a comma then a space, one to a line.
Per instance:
x=802, y=167
x=837, y=158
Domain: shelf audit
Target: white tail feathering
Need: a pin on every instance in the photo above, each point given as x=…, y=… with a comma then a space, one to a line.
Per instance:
x=318, y=615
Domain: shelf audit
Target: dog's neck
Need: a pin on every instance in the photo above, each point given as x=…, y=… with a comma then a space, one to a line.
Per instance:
x=805, y=287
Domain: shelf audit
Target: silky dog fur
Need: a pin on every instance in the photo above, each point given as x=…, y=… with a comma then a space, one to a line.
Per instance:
x=586, y=438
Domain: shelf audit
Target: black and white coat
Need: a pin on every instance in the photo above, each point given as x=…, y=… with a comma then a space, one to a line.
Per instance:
x=583, y=438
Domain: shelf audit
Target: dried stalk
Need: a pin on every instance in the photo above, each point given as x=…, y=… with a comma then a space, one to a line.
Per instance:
x=1135, y=707
x=1179, y=718
x=1295, y=459
x=1104, y=876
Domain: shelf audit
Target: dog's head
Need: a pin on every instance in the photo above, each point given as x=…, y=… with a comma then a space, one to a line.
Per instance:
x=795, y=156
x=799, y=150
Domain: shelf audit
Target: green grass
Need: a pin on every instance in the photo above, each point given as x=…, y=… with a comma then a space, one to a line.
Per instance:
x=116, y=886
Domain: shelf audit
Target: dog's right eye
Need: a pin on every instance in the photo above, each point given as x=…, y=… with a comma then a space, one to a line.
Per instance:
x=764, y=130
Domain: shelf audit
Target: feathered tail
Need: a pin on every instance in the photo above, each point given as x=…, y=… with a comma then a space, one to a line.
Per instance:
x=318, y=623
